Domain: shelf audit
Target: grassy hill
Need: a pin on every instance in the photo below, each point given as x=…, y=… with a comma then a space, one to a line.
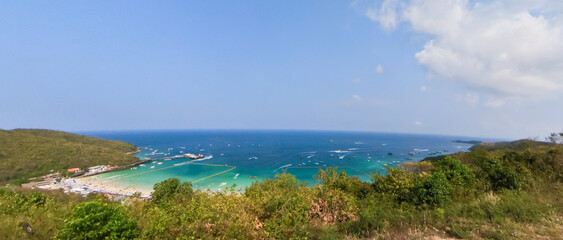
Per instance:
x=496, y=191
x=26, y=153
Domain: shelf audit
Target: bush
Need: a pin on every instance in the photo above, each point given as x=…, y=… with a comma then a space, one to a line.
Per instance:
x=458, y=174
x=433, y=190
x=330, y=206
x=283, y=206
x=398, y=183
x=217, y=216
x=332, y=179
x=379, y=213
x=98, y=220
x=169, y=189
x=455, y=171
x=500, y=175
x=20, y=201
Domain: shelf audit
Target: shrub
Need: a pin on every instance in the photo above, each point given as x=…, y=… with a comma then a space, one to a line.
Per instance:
x=98, y=220
x=20, y=201
x=283, y=206
x=418, y=167
x=332, y=179
x=398, y=183
x=433, y=190
x=332, y=206
x=380, y=213
x=500, y=175
x=216, y=216
x=458, y=174
x=169, y=189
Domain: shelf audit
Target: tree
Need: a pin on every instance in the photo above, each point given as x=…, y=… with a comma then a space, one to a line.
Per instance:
x=460, y=175
x=398, y=183
x=501, y=175
x=556, y=138
x=171, y=188
x=432, y=190
x=331, y=178
x=283, y=206
x=98, y=220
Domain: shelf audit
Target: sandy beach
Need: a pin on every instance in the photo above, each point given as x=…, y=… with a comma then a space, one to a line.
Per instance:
x=111, y=187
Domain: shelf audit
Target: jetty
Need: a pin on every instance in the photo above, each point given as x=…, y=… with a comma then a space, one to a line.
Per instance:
x=187, y=155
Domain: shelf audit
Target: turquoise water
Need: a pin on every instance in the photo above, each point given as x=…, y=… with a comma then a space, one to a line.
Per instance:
x=236, y=156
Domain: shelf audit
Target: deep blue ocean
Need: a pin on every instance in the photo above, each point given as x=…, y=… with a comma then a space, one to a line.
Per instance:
x=241, y=157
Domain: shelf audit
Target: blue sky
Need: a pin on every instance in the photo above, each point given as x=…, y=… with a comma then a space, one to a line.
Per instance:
x=472, y=68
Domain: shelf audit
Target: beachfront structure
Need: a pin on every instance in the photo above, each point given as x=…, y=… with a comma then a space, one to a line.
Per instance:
x=73, y=169
x=96, y=168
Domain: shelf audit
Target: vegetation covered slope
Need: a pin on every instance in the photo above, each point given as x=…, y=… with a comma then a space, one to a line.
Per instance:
x=504, y=191
x=26, y=153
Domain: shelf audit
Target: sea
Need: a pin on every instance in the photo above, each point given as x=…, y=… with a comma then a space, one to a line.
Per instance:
x=234, y=159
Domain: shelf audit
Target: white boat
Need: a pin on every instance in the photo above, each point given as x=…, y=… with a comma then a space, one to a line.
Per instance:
x=285, y=166
x=422, y=150
x=236, y=176
x=223, y=184
x=339, y=151
x=152, y=166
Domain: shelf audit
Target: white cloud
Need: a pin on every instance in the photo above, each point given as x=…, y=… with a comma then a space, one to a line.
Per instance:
x=506, y=48
x=471, y=99
x=494, y=103
x=423, y=88
x=386, y=15
x=417, y=123
x=379, y=69
x=357, y=98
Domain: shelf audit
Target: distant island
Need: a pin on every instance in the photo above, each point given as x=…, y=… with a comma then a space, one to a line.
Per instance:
x=474, y=142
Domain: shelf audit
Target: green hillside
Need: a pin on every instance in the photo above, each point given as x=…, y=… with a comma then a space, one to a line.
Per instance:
x=26, y=153
x=496, y=191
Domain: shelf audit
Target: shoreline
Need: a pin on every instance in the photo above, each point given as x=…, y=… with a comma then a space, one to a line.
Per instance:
x=117, y=168
x=106, y=187
x=91, y=183
x=86, y=184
